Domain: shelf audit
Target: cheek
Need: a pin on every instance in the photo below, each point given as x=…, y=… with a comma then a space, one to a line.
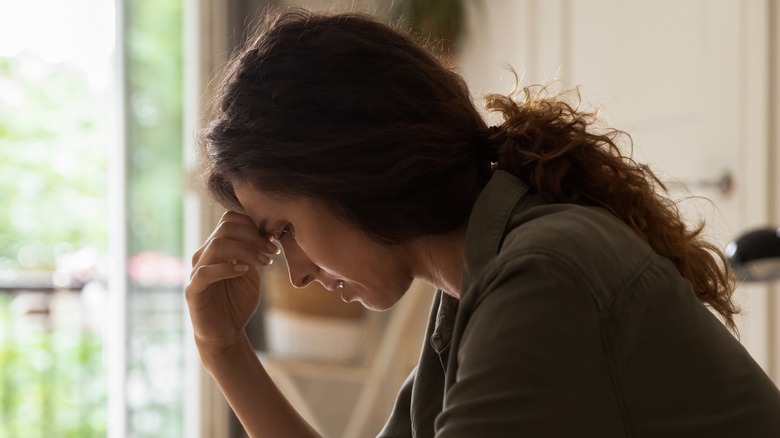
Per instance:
x=342, y=263
x=342, y=252
x=354, y=266
x=335, y=261
x=337, y=253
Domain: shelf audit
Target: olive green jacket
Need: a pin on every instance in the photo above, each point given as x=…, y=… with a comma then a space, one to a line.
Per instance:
x=570, y=325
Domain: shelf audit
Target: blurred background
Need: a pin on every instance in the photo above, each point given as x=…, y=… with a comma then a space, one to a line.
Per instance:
x=101, y=204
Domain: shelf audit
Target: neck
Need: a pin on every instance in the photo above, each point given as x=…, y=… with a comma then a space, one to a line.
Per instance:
x=440, y=261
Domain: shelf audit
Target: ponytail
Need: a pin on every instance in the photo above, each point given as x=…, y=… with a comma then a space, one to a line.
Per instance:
x=552, y=146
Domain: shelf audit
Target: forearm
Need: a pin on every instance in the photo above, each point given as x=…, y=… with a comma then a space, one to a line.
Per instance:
x=260, y=406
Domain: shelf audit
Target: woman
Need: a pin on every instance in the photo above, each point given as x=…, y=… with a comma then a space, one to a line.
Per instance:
x=572, y=299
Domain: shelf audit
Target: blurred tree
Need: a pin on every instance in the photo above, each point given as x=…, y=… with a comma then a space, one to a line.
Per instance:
x=154, y=125
x=52, y=163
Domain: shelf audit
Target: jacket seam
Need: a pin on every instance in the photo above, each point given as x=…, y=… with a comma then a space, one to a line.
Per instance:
x=607, y=339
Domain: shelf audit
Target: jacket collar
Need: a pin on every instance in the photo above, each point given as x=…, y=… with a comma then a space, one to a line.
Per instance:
x=488, y=222
x=487, y=227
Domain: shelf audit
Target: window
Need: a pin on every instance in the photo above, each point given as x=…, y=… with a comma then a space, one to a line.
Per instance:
x=61, y=125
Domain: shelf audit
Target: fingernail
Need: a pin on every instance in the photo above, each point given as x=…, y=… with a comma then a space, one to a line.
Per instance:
x=241, y=268
x=264, y=258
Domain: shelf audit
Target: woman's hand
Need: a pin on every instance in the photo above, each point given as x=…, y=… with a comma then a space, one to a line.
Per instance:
x=224, y=289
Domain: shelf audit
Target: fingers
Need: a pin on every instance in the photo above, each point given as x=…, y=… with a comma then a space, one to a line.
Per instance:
x=240, y=226
x=224, y=249
x=235, y=238
x=204, y=275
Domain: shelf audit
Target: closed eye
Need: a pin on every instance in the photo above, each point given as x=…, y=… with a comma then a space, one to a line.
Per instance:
x=286, y=230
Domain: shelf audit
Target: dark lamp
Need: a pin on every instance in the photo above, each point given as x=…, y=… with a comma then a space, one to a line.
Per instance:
x=755, y=255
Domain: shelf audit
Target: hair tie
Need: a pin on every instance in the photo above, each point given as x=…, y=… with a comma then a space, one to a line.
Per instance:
x=494, y=138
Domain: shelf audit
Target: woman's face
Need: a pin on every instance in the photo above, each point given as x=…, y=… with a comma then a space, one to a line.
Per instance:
x=319, y=246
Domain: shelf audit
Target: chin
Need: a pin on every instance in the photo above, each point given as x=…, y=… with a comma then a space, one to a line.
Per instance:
x=380, y=298
x=368, y=304
x=376, y=307
x=379, y=303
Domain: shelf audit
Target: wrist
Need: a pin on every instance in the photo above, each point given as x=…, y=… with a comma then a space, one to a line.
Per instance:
x=212, y=354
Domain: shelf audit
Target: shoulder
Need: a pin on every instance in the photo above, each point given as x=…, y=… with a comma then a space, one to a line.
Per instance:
x=569, y=230
x=566, y=243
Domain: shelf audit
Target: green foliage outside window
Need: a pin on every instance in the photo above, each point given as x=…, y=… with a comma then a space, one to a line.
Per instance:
x=154, y=75
x=51, y=382
x=55, y=138
x=53, y=146
x=52, y=164
x=155, y=354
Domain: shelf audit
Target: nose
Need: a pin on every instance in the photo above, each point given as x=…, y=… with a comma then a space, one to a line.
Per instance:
x=301, y=269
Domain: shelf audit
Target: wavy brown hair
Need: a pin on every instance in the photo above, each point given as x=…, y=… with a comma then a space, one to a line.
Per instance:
x=347, y=111
x=556, y=148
